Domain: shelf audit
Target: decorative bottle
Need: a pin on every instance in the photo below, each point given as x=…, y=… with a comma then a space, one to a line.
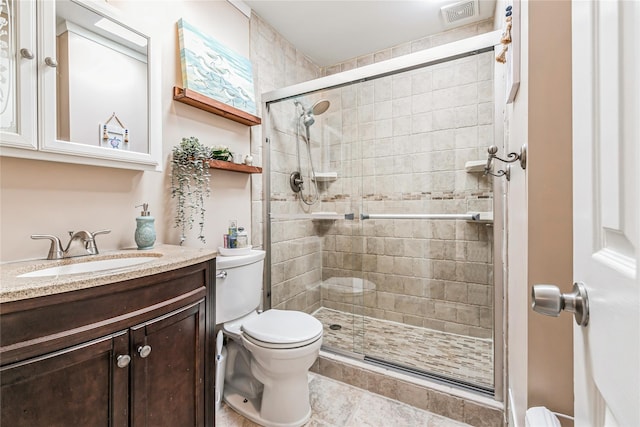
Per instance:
x=145, y=231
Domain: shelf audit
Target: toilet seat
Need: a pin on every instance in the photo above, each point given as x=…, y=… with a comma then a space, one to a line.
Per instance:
x=283, y=327
x=277, y=329
x=280, y=346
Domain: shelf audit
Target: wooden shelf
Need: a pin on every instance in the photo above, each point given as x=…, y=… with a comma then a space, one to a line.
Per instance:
x=233, y=167
x=205, y=103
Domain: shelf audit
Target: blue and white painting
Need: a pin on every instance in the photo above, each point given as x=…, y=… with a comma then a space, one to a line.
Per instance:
x=214, y=70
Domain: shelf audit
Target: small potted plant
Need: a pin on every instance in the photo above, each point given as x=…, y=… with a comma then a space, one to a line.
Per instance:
x=190, y=182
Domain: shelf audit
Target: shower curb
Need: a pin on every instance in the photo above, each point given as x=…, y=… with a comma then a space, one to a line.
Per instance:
x=478, y=411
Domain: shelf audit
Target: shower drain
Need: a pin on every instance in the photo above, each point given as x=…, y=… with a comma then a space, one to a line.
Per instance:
x=335, y=327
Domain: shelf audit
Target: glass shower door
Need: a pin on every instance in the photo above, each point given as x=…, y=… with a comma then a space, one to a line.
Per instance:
x=315, y=246
x=408, y=293
x=432, y=312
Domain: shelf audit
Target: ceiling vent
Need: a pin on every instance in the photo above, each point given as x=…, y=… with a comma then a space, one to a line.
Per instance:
x=461, y=12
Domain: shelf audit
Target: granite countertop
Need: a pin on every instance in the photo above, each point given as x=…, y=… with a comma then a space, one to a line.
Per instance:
x=169, y=257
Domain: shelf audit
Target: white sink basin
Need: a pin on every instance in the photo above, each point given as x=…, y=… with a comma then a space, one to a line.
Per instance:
x=90, y=266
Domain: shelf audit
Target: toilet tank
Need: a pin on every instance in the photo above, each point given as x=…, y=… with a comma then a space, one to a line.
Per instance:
x=239, y=290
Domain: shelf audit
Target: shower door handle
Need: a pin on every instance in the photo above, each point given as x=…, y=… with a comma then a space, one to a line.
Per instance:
x=548, y=300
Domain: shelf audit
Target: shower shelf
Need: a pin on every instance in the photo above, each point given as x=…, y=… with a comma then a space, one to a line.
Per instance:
x=325, y=176
x=189, y=97
x=475, y=166
x=233, y=167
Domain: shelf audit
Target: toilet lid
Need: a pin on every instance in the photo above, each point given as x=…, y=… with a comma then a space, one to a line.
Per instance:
x=282, y=327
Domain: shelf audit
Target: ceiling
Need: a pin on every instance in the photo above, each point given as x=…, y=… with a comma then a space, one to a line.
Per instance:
x=333, y=31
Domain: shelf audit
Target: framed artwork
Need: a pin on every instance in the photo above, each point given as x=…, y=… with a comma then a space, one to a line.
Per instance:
x=214, y=70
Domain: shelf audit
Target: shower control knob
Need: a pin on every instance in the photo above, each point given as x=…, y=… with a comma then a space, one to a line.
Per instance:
x=296, y=182
x=548, y=300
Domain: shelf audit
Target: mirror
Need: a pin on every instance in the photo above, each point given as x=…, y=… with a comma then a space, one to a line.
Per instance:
x=102, y=84
x=78, y=84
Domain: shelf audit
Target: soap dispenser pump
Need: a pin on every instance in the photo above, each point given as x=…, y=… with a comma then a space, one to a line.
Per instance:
x=145, y=231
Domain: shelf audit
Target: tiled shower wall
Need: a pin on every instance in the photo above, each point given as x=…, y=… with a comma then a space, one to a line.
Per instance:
x=406, y=139
x=399, y=145
x=295, y=247
x=276, y=64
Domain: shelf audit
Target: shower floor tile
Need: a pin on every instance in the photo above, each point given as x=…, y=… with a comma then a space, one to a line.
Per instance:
x=450, y=355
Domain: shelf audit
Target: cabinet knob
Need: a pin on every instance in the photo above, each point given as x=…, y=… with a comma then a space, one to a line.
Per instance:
x=144, y=351
x=123, y=360
x=50, y=62
x=26, y=53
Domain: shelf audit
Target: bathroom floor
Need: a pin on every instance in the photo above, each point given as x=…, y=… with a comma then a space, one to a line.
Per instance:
x=454, y=356
x=335, y=404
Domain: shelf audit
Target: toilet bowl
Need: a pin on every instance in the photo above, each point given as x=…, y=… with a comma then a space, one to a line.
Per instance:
x=268, y=354
x=539, y=416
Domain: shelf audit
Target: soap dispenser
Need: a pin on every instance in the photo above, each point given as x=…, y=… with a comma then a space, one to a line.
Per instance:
x=145, y=231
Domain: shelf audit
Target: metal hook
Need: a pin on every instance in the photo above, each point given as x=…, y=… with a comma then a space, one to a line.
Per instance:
x=511, y=157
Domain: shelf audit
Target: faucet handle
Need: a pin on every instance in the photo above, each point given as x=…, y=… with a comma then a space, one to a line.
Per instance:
x=55, y=250
x=91, y=243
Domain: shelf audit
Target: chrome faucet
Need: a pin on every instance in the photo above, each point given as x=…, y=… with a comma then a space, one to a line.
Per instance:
x=82, y=243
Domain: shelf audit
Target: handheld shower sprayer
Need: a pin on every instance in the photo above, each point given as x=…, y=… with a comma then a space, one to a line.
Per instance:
x=307, y=118
x=308, y=114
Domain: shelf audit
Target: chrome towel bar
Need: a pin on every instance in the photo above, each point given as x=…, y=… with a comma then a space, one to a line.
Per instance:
x=467, y=217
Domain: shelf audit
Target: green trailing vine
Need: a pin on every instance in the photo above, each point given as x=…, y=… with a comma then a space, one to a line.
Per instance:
x=190, y=182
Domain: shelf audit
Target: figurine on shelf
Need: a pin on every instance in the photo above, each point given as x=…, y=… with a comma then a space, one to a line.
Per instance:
x=506, y=36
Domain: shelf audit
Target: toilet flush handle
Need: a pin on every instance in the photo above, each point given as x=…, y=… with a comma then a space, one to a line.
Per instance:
x=222, y=274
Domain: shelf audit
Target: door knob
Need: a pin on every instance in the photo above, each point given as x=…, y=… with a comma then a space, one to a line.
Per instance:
x=548, y=300
x=144, y=351
x=123, y=360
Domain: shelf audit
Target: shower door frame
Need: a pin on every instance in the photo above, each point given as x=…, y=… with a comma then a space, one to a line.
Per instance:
x=489, y=41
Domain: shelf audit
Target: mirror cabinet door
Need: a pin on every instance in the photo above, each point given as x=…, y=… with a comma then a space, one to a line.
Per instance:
x=18, y=65
x=98, y=88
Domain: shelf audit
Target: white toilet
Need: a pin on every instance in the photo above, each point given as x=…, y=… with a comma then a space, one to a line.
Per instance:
x=269, y=354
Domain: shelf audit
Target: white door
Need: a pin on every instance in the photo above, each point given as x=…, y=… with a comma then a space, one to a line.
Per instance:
x=606, y=203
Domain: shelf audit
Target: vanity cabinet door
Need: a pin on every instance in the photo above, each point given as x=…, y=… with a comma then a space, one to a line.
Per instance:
x=168, y=377
x=79, y=386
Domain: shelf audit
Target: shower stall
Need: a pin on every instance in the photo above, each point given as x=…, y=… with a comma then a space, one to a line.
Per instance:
x=378, y=217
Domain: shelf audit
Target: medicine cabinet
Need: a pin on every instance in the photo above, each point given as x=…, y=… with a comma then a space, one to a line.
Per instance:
x=79, y=85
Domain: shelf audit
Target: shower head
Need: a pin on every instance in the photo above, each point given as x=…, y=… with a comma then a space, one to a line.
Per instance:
x=320, y=107
x=316, y=109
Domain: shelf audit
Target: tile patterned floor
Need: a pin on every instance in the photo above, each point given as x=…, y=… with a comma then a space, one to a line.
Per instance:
x=335, y=404
x=455, y=356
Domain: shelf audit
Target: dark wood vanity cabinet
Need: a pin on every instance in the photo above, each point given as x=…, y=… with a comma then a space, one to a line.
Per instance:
x=134, y=353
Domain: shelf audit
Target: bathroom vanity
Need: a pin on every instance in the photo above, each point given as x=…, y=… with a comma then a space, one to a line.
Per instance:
x=110, y=349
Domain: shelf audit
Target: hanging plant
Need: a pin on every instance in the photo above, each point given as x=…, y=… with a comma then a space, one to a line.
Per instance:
x=189, y=184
